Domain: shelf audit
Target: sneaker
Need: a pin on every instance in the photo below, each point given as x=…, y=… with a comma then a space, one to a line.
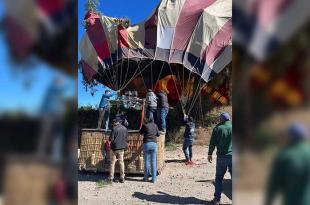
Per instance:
x=215, y=202
x=188, y=162
x=110, y=181
x=121, y=180
x=191, y=162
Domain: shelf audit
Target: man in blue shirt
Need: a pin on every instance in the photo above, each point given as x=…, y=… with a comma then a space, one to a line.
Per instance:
x=104, y=109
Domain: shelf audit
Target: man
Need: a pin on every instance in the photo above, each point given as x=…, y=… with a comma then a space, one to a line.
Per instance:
x=151, y=103
x=104, y=109
x=221, y=139
x=122, y=118
x=163, y=107
x=118, y=142
x=150, y=132
x=290, y=174
x=188, y=139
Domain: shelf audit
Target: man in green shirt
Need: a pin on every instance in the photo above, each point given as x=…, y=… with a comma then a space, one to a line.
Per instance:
x=290, y=174
x=221, y=139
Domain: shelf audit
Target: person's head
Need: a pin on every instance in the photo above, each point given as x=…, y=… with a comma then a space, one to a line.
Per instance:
x=116, y=121
x=107, y=91
x=224, y=117
x=297, y=132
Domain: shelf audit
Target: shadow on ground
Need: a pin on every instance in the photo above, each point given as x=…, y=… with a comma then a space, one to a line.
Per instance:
x=95, y=177
x=162, y=197
x=226, y=189
x=175, y=161
x=165, y=198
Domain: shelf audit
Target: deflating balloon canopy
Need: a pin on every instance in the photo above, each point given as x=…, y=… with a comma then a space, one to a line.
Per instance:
x=182, y=44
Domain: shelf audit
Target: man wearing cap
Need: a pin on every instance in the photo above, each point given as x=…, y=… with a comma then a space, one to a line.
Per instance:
x=118, y=142
x=290, y=173
x=221, y=139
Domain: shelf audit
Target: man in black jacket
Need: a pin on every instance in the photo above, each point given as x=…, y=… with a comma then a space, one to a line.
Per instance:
x=118, y=141
x=163, y=107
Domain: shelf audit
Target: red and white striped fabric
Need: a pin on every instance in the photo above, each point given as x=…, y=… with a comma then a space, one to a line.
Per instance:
x=194, y=33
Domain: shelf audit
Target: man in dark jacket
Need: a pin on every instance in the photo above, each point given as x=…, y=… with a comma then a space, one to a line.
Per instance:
x=163, y=107
x=221, y=139
x=118, y=141
x=122, y=118
x=290, y=174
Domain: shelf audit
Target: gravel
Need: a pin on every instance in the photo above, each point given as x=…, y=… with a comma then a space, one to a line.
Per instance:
x=177, y=184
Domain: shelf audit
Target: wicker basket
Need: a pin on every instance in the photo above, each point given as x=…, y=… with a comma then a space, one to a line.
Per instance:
x=93, y=156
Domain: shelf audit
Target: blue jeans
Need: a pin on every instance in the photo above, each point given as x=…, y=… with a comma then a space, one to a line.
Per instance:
x=163, y=114
x=223, y=162
x=152, y=114
x=187, y=149
x=150, y=153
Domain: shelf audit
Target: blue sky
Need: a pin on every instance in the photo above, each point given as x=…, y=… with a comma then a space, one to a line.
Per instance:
x=135, y=10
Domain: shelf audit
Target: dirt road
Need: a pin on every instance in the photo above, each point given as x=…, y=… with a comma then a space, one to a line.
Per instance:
x=178, y=184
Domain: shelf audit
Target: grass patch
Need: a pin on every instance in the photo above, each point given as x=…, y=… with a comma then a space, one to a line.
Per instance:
x=101, y=183
x=170, y=146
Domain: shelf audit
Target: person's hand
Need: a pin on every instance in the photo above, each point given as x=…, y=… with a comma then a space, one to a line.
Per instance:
x=210, y=158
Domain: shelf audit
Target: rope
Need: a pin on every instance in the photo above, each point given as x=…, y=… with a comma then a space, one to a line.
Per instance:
x=176, y=89
x=161, y=69
x=135, y=75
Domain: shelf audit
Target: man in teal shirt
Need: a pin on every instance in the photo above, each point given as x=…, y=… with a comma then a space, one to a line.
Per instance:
x=104, y=109
x=290, y=174
x=221, y=139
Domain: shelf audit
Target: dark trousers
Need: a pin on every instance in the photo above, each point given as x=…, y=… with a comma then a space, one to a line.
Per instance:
x=223, y=162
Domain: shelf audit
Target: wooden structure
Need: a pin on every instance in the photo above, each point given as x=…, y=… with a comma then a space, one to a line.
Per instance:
x=94, y=157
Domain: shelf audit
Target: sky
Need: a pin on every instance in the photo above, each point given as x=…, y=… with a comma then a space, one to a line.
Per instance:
x=135, y=10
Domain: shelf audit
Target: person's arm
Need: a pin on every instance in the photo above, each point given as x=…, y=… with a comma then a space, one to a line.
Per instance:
x=185, y=119
x=157, y=131
x=212, y=144
x=141, y=132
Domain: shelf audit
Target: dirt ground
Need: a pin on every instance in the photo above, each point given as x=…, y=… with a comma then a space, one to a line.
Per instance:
x=177, y=184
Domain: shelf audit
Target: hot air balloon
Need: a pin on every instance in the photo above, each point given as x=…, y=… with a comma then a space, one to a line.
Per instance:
x=179, y=48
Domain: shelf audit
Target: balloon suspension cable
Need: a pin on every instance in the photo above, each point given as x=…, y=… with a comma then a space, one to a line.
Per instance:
x=136, y=74
x=175, y=85
x=196, y=94
x=187, y=83
x=127, y=69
